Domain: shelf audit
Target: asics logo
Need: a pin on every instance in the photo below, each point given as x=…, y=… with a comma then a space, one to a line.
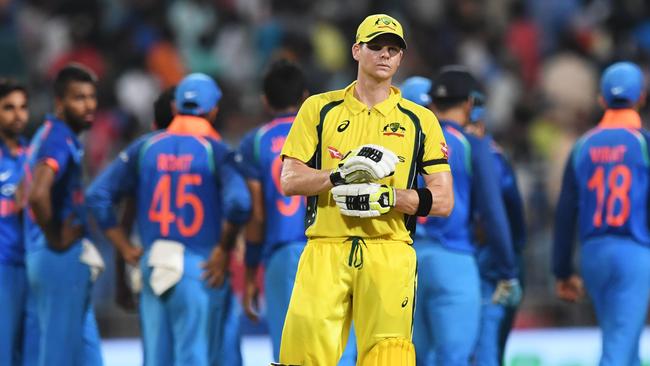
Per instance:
x=343, y=125
x=405, y=302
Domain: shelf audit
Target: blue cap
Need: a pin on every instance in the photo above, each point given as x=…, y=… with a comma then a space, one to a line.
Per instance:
x=621, y=85
x=416, y=89
x=197, y=94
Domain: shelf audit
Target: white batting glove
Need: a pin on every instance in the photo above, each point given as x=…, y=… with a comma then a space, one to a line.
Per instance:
x=507, y=292
x=364, y=199
x=367, y=163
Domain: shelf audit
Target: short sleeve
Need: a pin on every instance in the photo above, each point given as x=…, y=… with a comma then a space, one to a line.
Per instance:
x=55, y=153
x=247, y=156
x=436, y=153
x=302, y=140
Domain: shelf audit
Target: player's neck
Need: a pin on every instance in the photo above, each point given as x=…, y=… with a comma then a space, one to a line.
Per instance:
x=11, y=142
x=454, y=115
x=371, y=91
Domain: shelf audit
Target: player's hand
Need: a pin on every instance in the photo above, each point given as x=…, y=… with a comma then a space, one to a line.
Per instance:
x=250, y=300
x=69, y=233
x=507, y=293
x=367, y=163
x=216, y=268
x=364, y=199
x=131, y=254
x=570, y=289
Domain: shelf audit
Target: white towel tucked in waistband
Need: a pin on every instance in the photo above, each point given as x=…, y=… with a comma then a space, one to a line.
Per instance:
x=90, y=256
x=166, y=258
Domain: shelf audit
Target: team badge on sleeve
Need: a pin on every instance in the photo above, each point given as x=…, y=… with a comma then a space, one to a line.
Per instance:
x=444, y=149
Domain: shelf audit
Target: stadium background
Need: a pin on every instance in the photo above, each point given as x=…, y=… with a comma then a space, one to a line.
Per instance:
x=539, y=60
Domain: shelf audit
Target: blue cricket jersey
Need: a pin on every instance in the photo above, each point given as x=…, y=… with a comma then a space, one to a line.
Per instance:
x=476, y=187
x=56, y=145
x=260, y=161
x=12, y=250
x=604, y=188
x=513, y=204
x=184, y=182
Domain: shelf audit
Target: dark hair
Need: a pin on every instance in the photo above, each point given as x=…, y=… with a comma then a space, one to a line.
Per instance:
x=70, y=73
x=8, y=86
x=162, y=108
x=284, y=84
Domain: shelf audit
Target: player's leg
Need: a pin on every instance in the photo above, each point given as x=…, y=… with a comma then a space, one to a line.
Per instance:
x=616, y=275
x=224, y=327
x=318, y=319
x=384, y=301
x=91, y=340
x=456, y=307
x=61, y=287
x=421, y=322
x=279, y=276
x=13, y=291
x=487, y=351
x=188, y=305
x=157, y=338
x=31, y=333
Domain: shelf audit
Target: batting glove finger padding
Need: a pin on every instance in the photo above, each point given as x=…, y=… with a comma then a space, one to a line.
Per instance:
x=364, y=199
x=367, y=163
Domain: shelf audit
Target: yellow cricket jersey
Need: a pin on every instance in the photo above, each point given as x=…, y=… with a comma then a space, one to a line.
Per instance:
x=329, y=125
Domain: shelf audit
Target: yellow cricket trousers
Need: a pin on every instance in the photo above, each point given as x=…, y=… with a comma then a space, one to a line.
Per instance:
x=339, y=280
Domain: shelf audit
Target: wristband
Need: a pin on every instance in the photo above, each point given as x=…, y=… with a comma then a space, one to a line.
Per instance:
x=253, y=254
x=426, y=201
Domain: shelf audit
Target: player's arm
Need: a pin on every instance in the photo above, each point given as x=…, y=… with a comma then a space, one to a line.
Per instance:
x=486, y=193
x=103, y=195
x=254, y=235
x=442, y=196
x=59, y=235
x=298, y=179
x=237, y=208
x=568, y=285
x=514, y=207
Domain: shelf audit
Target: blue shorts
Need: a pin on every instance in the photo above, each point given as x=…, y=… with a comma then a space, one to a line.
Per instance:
x=61, y=285
x=448, y=305
x=191, y=323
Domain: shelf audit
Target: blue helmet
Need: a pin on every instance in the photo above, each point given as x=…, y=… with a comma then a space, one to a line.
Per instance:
x=197, y=94
x=621, y=85
x=416, y=89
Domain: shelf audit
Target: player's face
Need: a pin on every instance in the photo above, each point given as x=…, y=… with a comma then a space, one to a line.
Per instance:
x=13, y=114
x=380, y=58
x=78, y=105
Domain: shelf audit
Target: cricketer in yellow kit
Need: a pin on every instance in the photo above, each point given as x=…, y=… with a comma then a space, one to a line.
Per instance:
x=358, y=263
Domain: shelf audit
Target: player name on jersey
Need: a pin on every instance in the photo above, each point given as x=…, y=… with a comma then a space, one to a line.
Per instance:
x=174, y=163
x=607, y=154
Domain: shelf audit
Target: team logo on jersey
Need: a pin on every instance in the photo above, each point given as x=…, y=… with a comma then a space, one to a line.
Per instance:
x=444, y=149
x=394, y=129
x=343, y=125
x=334, y=153
x=5, y=175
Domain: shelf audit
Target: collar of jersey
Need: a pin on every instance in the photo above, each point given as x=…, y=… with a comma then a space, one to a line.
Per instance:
x=22, y=146
x=620, y=118
x=451, y=123
x=356, y=106
x=53, y=119
x=192, y=125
